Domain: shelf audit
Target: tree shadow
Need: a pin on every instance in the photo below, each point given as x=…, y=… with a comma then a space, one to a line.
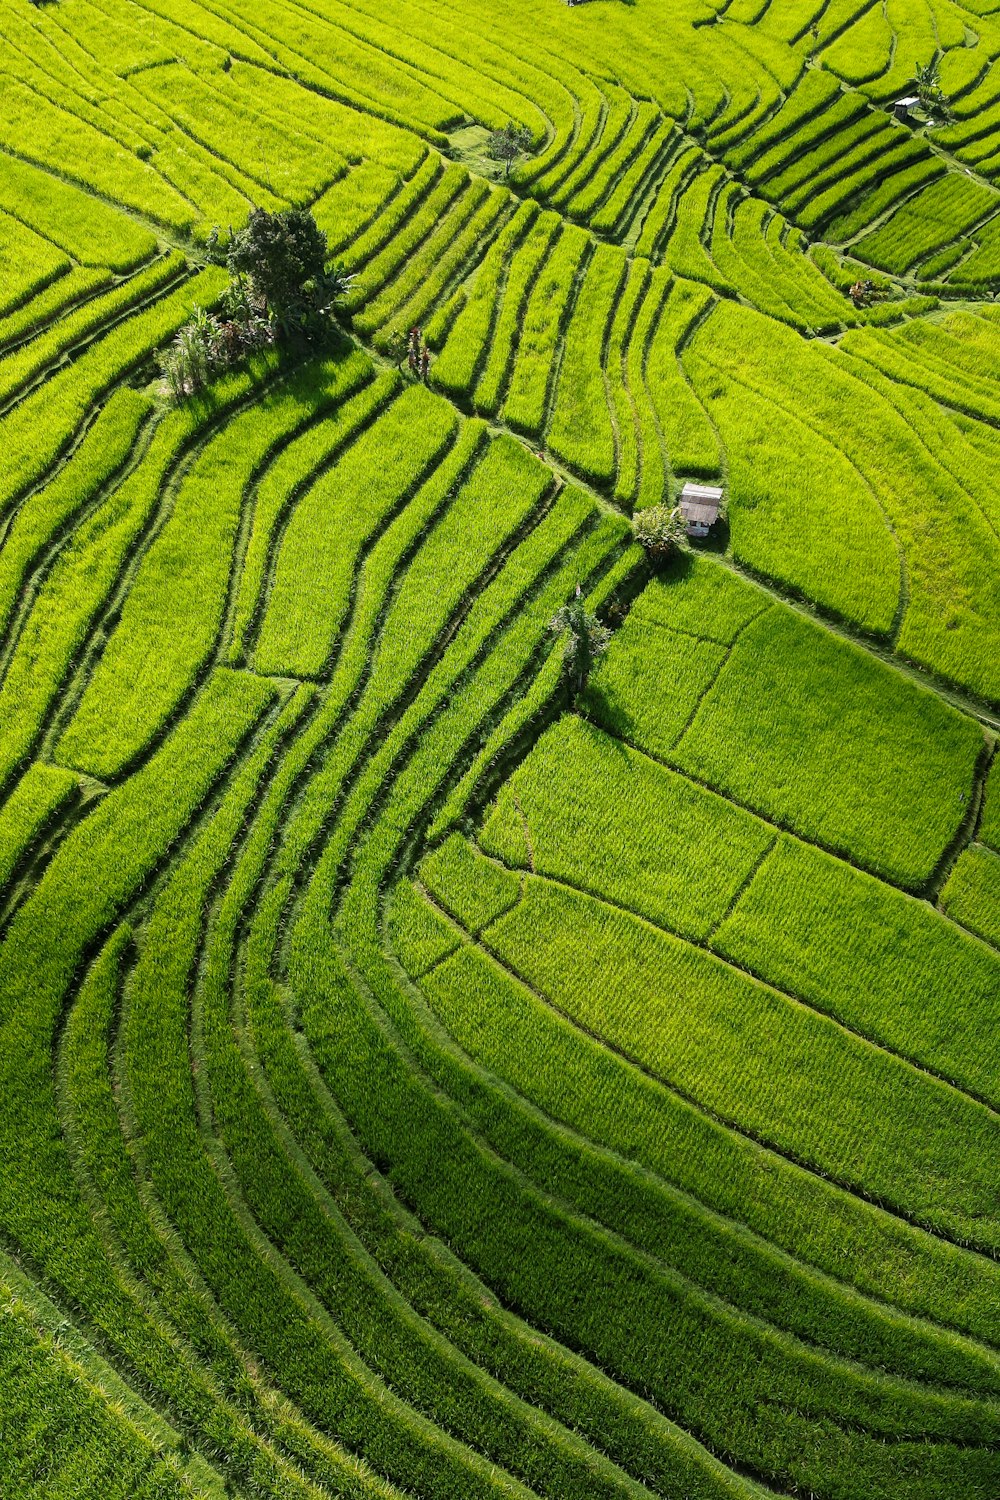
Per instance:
x=601, y=706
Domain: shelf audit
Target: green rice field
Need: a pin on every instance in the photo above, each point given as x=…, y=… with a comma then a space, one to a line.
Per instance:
x=424, y=1076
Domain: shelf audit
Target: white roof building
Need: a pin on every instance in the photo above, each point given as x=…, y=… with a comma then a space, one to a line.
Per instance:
x=700, y=504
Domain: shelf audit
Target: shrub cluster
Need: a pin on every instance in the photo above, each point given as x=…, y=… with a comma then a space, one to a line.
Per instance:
x=281, y=289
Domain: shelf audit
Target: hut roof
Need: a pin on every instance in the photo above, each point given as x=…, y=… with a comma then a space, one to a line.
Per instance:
x=700, y=503
x=701, y=515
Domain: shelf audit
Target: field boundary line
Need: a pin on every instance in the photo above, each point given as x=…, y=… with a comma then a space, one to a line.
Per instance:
x=856, y=1190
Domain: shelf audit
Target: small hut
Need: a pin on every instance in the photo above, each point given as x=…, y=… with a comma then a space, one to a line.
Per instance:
x=700, y=507
x=903, y=108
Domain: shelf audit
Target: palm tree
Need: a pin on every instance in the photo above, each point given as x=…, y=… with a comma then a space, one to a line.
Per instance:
x=586, y=640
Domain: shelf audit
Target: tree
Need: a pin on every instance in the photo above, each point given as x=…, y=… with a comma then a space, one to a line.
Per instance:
x=927, y=83
x=397, y=347
x=660, y=530
x=508, y=143
x=187, y=363
x=586, y=640
x=282, y=258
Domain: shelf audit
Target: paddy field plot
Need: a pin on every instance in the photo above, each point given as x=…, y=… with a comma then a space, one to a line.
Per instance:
x=419, y=1078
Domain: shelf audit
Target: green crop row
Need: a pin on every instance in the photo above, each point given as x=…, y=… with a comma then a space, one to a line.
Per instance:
x=815, y=212
x=648, y=688
x=395, y=537
x=209, y=125
x=538, y=333
x=581, y=431
x=430, y=586
x=467, y=1316
x=844, y=111
x=419, y=228
x=703, y=1027
x=944, y=614
x=38, y=430
x=796, y=509
x=502, y=491
x=260, y=1290
x=492, y=97
x=692, y=446
x=984, y=262
x=918, y=755
x=989, y=819
x=686, y=702
x=685, y=252
x=589, y=1087
x=66, y=1435
x=49, y=511
x=864, y=51
x=797, y=275
x=928, y=362
x=508, y=328
x=334, y=521
x=31, y=263
x=872, y=205
x=40, y=795
x=415, y=1124
x=311, y=1230
x=662, y=212
x=615, y=130
x=614, y=166
x=349, y=208
x=549, y=168
x=624, y=403
x=972, y=896
x=88, y=223
x=435, y=268
x=672, y=853
x=813, y=96
x=170, y=620
x=84, y=574
x=78, y=285
x=946, y=209
x=248, y=121
x=652, y=470
x=694, y=1150
x=376, y=239
x=33, y=359
x=247, y=1427
x=856, y=142
x=742, y=120
x=537, y=702
x=447, y=226
x=625, y=195
x=349, y=400
x=494, y=623
x=92, y=875
x=888, y=966
x=329, y=59
x=469, y=337
x=68, y=147
x=695, y=596
x=743, y=262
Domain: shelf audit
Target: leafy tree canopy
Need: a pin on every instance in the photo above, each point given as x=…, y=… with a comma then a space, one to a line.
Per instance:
x=508, y=143
x=585, y=639
x=660, y=529
x=283, y=258
x=927, y=84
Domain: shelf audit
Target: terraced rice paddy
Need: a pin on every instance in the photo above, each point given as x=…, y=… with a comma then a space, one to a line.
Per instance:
x=416, y=1080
